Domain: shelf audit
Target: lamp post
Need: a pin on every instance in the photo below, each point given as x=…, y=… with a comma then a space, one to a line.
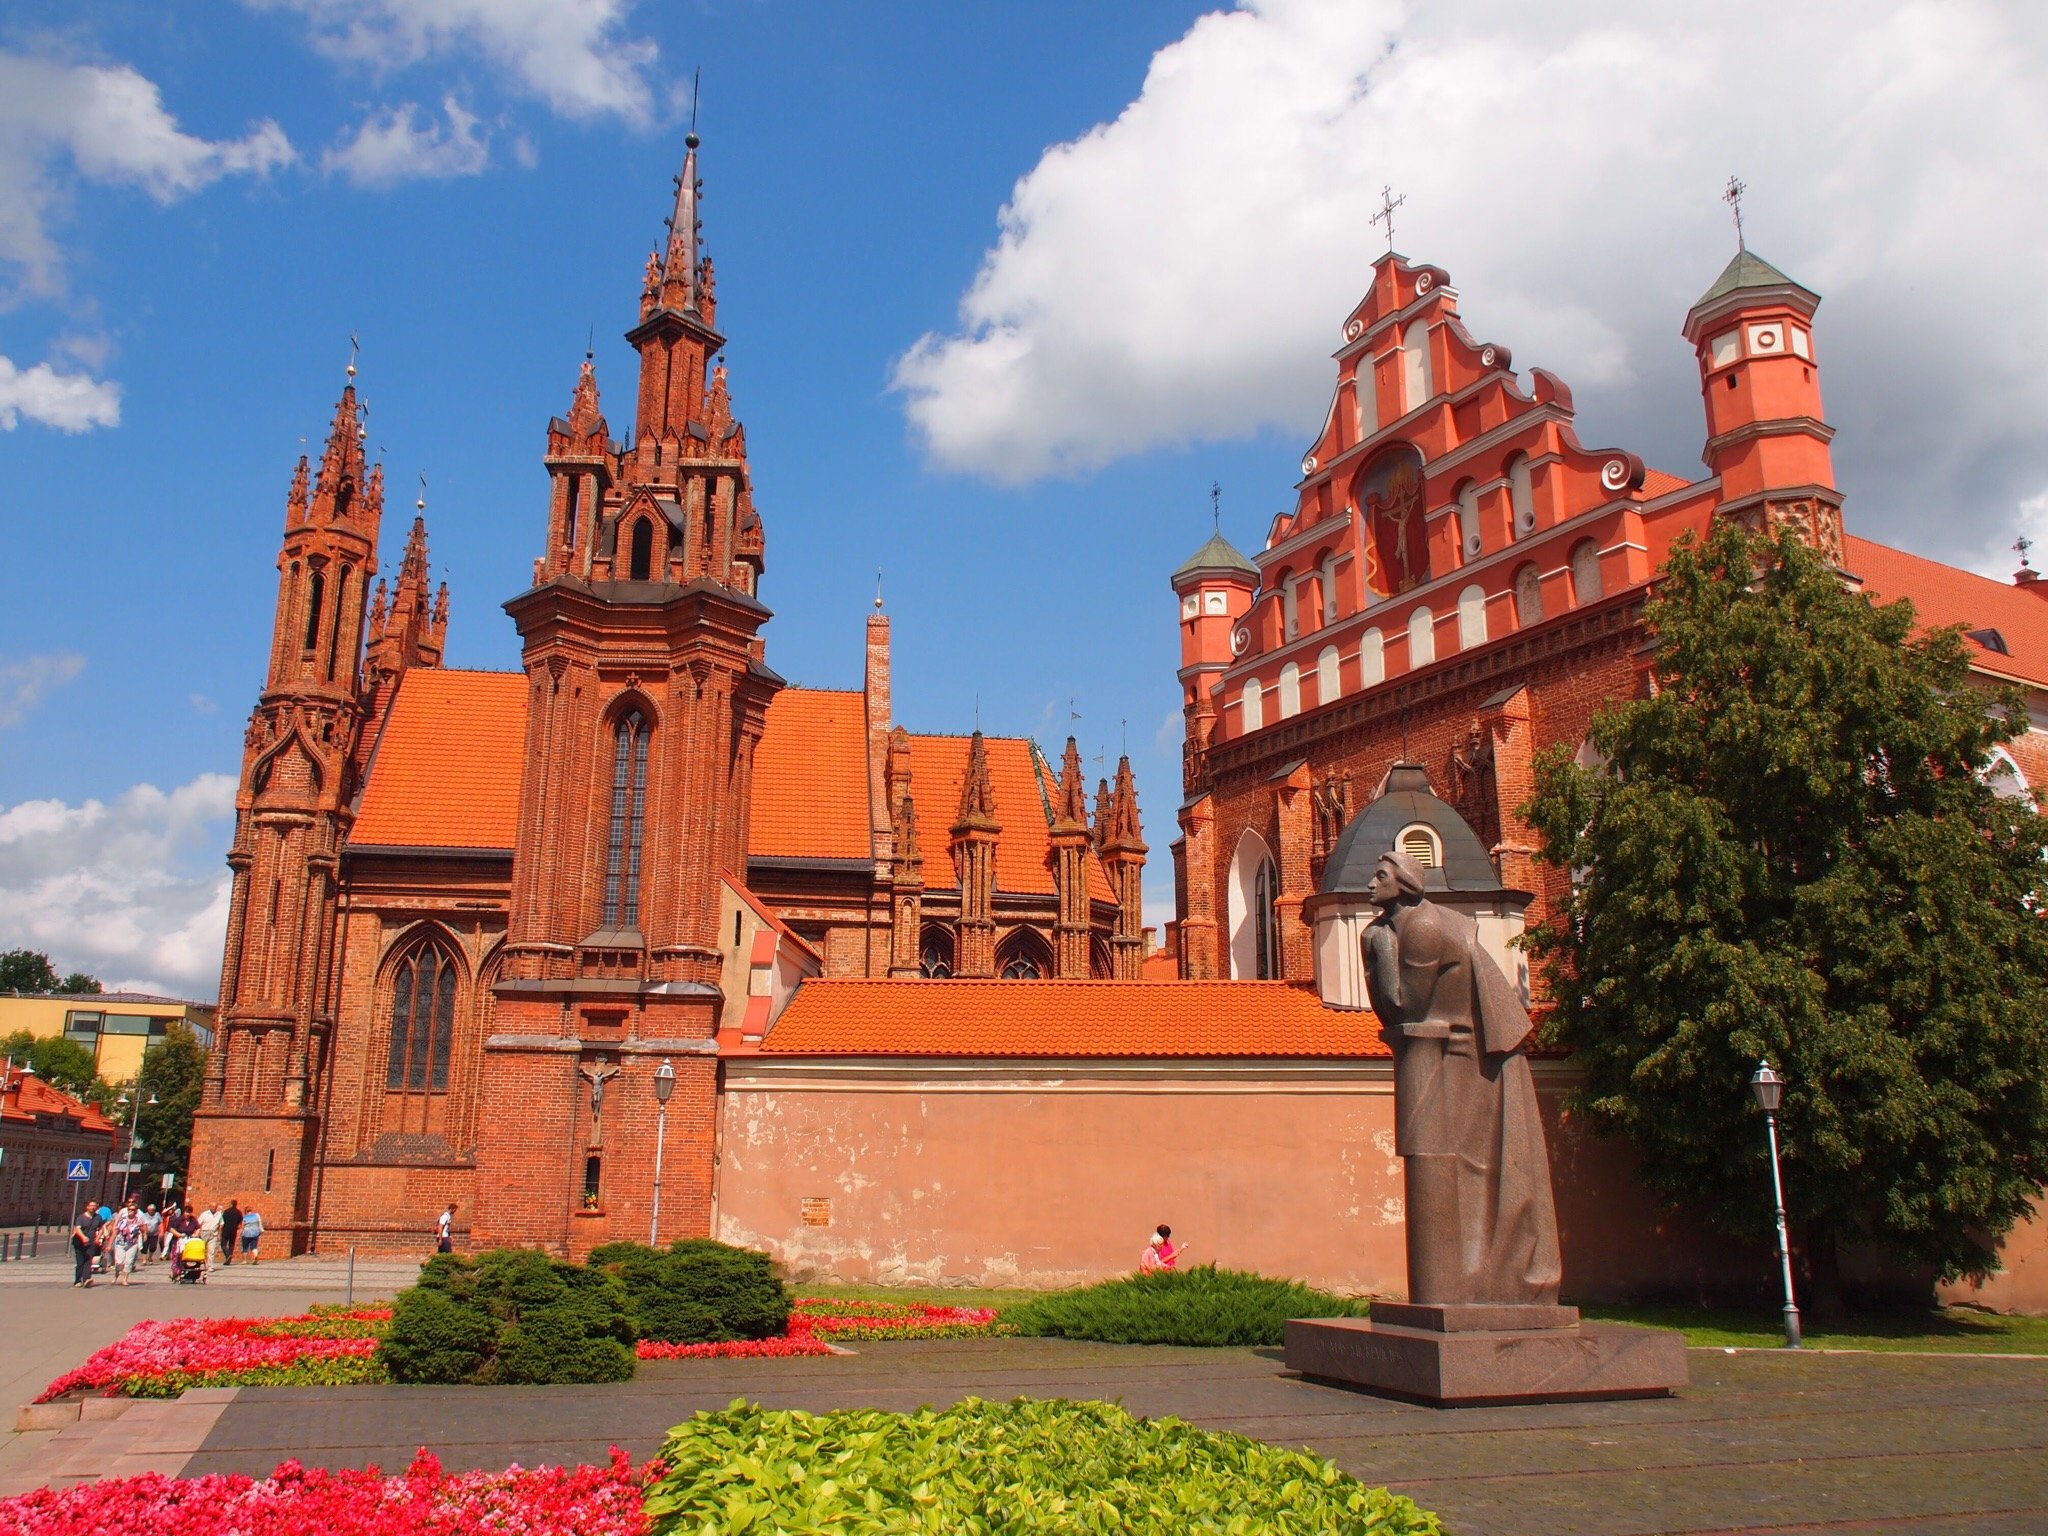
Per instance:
x=1769, y=1089
x=664, y=1085
x=128, y=1162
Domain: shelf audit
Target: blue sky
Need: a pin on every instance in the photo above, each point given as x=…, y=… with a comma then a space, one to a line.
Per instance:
x=1006, y=288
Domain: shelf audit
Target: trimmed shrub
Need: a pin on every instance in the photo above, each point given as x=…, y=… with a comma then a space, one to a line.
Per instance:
x=510, y=1316
x=980, y=1466
x=698, y=1291
x=1203, y=1306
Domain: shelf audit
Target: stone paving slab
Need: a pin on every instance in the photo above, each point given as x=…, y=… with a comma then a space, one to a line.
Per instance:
x=1762, y=1442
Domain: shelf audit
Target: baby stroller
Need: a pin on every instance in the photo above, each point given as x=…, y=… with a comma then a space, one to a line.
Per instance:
x=188, y=1261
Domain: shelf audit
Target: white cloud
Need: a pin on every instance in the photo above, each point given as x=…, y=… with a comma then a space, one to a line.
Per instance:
x=111, y=123
x=23, y=683
x=70, y=402
x=1178, y=274
x=132, y=891
x=392, y=146
x=574, y=55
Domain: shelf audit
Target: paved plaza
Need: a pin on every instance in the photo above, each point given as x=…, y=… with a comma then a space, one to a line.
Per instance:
x=1760, y=1442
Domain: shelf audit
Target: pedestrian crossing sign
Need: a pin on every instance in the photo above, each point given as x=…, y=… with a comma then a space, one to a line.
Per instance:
x=78, y=1169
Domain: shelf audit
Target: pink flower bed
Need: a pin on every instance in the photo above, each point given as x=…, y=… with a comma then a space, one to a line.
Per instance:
x=297, y=1501
x=161, y=1347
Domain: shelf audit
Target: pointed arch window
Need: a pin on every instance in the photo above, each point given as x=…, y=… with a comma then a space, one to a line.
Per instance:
x=641, y=567
x=422, y=1021
x=629, y=816
x=315, y=591
x=1023, y=956
x=935, y=954
x=1265, y=930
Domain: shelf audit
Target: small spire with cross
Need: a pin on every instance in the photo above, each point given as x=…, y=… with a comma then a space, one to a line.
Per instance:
x=878, y=589
x=353, y=348
x=1388, y=203
x=420, y=505
x=1215, y=506
x=2021, y=545
x=1732, y=196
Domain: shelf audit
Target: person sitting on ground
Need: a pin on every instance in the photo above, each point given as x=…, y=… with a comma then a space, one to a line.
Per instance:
x=230, y=1231
x=252, y=1234
x=1159, y=1251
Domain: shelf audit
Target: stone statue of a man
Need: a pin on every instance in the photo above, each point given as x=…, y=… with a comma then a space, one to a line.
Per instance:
x=1481, y=1226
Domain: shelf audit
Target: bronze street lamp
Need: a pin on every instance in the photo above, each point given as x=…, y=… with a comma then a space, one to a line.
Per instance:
x=1769, y=1089
x=664, y=1085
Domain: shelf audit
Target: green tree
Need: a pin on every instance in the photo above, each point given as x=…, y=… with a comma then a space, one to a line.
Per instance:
x=1792, y=853
x=174, y=1070
x=79, y=983
x=59, y=1062
x=26, y=970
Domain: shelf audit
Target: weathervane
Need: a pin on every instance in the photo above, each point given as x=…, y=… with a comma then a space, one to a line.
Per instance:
x=1388, y=203
x=1216, y=506
x=878, y=589
x=1732, y=196
x=2022, y=545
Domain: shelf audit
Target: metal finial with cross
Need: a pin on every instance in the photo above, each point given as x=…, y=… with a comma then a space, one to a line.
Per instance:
x=2022, y=545
x=1732, y=196
x=1216, y=506
x=420, y=505
x=353, y=348
x=1388, y=203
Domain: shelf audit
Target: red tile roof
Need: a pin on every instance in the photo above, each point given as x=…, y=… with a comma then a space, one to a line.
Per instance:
x=24, y=1096
x=811, y=778
x=1942, y=594
x=446, y=768
x=858, y=1016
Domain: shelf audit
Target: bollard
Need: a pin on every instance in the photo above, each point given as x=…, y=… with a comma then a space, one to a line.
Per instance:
x=351, y=1274
x=35, y=1242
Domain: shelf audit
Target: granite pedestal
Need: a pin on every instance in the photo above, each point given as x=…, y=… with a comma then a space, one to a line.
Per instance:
x=1476, y=1356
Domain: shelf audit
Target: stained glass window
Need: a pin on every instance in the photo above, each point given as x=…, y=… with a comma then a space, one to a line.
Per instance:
x=628, y=821
x=422, y=1021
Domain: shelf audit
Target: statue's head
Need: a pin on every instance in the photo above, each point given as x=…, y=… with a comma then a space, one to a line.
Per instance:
x=1395, y=878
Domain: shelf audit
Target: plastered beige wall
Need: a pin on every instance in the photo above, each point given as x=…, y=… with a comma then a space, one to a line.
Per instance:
x=1048, y=1174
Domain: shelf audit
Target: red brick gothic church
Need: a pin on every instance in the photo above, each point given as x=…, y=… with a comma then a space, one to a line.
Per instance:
x=881, y=998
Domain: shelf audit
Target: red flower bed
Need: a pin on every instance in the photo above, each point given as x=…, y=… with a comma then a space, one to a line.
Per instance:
x=174, y=1351
x=297, y=1501
x=654, y=1349
x=822, y=1317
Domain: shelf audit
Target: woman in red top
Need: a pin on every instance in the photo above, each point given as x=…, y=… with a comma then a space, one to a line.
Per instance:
x=1159, y=1252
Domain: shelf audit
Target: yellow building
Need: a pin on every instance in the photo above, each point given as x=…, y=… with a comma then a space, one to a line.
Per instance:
x=117, y=1027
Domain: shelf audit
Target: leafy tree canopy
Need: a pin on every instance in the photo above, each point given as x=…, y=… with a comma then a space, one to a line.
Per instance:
x=174, y=1070
x=59, y=1062
x=29, y=970
x=1792, y=853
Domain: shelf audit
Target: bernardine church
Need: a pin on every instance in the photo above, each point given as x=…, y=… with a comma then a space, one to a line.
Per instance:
x=638, y=940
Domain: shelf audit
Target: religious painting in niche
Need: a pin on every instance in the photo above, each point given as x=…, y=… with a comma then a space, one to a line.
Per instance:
x=1390, y=506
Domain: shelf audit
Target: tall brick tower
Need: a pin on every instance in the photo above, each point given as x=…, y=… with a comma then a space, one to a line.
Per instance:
x=256, y=1130
x=1767, y=437
x=647, y=695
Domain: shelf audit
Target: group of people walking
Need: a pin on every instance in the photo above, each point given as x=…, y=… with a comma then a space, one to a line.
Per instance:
x=118, y=1243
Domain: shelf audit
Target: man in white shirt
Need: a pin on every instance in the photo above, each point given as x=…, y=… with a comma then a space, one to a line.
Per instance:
x=209, y=1229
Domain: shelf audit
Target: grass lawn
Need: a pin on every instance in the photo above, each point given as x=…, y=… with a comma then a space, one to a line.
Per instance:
x=931, y=1295
x=1961, y=1330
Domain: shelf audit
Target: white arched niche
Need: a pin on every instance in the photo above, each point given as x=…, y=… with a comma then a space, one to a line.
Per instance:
x=1421, y=638
x=1254, y=934
x=1471, y=617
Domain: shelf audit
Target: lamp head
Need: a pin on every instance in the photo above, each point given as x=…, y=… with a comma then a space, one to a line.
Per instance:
x=664, y=1081
x=1768, y=1087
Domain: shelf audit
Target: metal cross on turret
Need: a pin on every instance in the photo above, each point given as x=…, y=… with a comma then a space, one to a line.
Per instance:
x=1388, y=203
x=1732, y=196
x=2020, y=546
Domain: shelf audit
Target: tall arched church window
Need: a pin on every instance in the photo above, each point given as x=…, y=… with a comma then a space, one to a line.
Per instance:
x=642, y=566
x=1421, y=638
x=1266, y=931
x=1585, y=572
x=1522, y=496
x=570, y=509
x=1251, y=706
x=1023, y=957
x=628, y=820
x=935, y=953
x=1469, y=541
x=1471, y=617
x=1290, y=691
x=1329, y=674
x=334, y=632
x=316, y=590
x=1368, y=399
x=1372, y=658
x=1528, y=596
x=2003, y=776
x=1415, y=380
x=422, y=1021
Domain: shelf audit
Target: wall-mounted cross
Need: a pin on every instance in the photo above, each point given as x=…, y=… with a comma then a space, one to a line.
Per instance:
x=1388, y=203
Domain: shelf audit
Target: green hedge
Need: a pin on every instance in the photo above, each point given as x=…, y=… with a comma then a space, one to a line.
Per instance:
x=509, y=1316
x=1205, y=1306
x=698, y=1291
x=982, y=1468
